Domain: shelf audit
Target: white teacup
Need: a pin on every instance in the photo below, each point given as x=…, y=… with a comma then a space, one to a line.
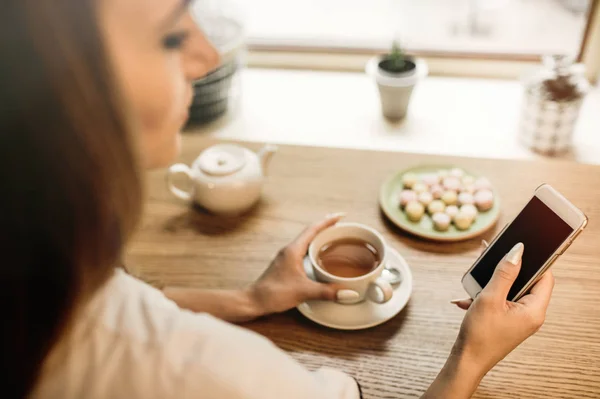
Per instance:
x=356, y=289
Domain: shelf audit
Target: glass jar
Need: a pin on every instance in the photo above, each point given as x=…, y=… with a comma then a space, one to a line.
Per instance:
x=553, y=98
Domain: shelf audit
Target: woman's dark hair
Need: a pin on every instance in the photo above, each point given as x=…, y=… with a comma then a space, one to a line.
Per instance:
x=71, y=193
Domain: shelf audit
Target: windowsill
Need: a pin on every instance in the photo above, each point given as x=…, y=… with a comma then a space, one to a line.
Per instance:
x=451, y=116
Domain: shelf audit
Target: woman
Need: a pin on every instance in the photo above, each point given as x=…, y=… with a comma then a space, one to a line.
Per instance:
x=91, y=92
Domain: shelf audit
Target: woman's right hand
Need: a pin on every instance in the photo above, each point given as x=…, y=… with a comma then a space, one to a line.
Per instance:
x=493, y=326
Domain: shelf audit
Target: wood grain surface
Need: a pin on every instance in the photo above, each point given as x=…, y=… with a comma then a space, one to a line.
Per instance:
x=180, y=245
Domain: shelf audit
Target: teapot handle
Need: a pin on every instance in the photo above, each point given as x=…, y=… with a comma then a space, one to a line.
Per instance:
x=174, y=170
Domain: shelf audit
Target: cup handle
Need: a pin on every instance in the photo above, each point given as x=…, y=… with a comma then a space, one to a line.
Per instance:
x=179, y=168
x=380, y=291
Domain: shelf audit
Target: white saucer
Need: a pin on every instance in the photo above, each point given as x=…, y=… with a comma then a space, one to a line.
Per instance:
x=365, y=314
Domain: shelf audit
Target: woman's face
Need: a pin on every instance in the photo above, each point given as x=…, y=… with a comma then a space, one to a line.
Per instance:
x=157, y=50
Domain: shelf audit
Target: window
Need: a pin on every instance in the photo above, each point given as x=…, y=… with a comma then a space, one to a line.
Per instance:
x=515, y=30
x=479, y=26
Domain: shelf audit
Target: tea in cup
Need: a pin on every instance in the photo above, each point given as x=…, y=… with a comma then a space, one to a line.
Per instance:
x=354, y=256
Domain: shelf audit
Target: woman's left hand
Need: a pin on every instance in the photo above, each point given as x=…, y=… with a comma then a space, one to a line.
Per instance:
x=285, y=285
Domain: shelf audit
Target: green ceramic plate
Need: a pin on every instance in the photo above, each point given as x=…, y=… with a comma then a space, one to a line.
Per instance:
x=388, y=200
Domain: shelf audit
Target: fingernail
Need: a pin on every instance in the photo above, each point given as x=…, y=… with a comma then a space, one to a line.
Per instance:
x=484, y=243
x=455, y=301
x=347, y=295
x=515, y=254
x=336, y=215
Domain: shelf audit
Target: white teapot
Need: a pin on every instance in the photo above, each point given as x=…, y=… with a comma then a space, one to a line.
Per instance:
x=226, y=179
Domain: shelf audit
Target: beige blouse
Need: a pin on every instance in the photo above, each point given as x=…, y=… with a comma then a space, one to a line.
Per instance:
x=132, y=342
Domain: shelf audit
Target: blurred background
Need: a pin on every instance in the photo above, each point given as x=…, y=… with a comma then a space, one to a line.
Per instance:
x=294, y=73
x=473, y=26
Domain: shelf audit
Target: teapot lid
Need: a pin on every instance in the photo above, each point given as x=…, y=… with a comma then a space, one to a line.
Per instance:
x=222, y=160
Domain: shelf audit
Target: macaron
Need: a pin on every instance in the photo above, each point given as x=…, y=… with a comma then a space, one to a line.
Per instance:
x=457, y=172
x=409, y=180
x=468, y=188
x=407, y=196
x=484, y=200
x=441, y=221
x=450, y=197
x=420, y=187
x=430, y=179
x=482, y=184
x=436, y=206
x=452, y=211
x=452, y=183
x=436, y=191
x=463, y=221
x=425, y=198
x=468, y=180
x=414, y=211
x=465, y=198
x=469, y=210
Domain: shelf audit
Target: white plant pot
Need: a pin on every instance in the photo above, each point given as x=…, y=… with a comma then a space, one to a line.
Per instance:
x=395, y=90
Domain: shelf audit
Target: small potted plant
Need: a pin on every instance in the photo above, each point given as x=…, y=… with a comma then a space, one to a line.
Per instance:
x=396, y=75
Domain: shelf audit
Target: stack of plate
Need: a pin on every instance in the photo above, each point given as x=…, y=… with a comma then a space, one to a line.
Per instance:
x=213, y=93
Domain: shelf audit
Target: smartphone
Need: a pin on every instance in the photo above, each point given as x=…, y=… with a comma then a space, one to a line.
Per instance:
x=547, y=226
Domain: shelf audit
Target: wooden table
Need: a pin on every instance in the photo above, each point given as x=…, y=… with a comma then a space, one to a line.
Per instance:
x=178, y=245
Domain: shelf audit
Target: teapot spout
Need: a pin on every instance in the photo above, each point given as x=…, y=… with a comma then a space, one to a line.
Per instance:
x=265, y=154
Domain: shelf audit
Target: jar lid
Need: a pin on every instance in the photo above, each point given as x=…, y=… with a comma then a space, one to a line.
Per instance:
x=222, y=160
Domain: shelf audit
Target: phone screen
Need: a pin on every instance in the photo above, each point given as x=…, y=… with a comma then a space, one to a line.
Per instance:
x=541, y=231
